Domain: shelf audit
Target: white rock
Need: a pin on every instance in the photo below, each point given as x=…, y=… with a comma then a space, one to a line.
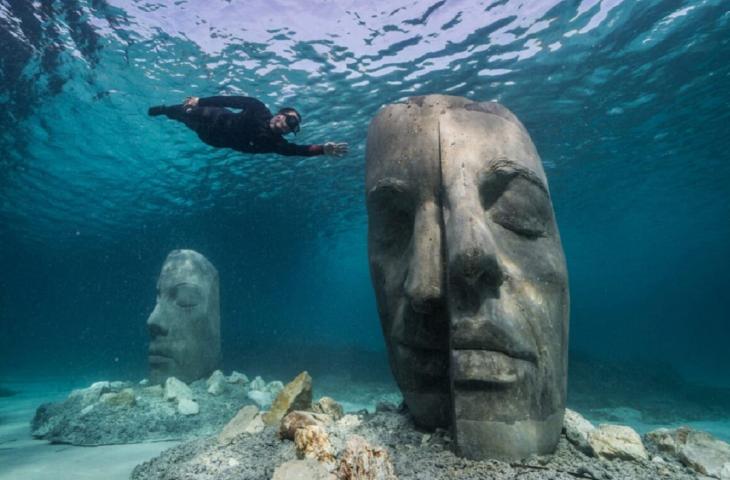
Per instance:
x=257, y=384
x=86, y=410
x=698, y=450
x=238, y=424
x=725, y=471
x=577, y=428
x=216, y=383
x=118, y=385
x=237, y=377
x=256, y=425
x=307, y=469
x=274, y=387
x=144, y=382
x=188, y=407
x=177, y=390
x=91, y=394
x=262, y=399
x=617, y=441
x=349, y=421
x=232, y=462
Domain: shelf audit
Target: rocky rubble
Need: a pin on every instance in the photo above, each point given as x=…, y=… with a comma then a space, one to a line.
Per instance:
x=123, y=412
x=387, y=446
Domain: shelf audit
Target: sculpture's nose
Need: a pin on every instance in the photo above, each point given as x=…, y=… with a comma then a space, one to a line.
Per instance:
x=424, y=282
x=155, y=325
x=474, y=270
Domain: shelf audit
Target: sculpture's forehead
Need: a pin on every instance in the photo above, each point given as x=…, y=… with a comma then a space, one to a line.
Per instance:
x=175, y=273
x=415, y=140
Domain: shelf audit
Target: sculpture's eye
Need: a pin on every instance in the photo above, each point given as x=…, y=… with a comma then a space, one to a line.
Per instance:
x=517, y=204
x=186, y=295
x=391, y=219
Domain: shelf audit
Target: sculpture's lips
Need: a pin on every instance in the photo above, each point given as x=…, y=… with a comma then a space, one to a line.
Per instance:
x=474, y=367
x=157, y=354
x=493, y=333
x=156, y=359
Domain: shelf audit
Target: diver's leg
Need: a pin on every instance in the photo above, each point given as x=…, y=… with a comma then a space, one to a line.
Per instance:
x=193, y=117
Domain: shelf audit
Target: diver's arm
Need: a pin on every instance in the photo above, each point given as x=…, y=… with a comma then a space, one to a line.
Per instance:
x=329, y=148
x=293, y=149
x=244, y=103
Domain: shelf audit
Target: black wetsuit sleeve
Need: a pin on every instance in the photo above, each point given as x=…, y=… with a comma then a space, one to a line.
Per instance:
x=245, y=103
x=292, y=149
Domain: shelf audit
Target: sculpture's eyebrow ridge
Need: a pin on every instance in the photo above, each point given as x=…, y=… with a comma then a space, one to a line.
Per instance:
x=511, y=167
x=389, y=184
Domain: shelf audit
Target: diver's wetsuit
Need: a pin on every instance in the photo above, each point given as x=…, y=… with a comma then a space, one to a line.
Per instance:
x=247, y=131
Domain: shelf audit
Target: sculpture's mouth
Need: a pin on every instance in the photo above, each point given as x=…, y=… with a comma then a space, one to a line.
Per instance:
x=158, y=355
x=475, y=368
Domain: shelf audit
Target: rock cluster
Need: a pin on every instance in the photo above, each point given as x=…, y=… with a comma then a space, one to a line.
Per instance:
x=309, y=444
x=698, y=450
x=122, y=412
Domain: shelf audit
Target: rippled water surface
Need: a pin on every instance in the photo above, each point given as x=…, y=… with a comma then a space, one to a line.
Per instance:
x=627, y=103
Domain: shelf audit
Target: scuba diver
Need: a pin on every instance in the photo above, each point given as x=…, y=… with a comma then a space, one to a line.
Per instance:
x=253, y=130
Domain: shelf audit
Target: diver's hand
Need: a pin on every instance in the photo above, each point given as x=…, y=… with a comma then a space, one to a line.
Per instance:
x=335, y=149
x=191, y=102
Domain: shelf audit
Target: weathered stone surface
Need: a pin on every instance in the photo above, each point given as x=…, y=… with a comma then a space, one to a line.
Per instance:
x=274, y=387
x=698, y=450
x=154, y=390
x=576, y=429
x=237, y=377
x=362, y=461
x=297, y=419
x=296, y=395
x=306, y=469
x=256, y=425
x=187, y=406
x=259, y=455
x=238, y=424
x=328, y=406
x=456, y=194
x=312, y=441
x=177, y=390
x=262, y=399
x=216, y=383
x=257, y=384
x=91, y=394
x=150, y=418
x=617, y=441
x=184, y=326
x=124, y=398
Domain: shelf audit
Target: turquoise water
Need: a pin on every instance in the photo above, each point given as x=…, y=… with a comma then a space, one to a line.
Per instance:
x=627, y=103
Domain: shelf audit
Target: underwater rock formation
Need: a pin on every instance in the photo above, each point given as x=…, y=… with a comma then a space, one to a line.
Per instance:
x=184, y=327
x=469, y=273
x=120, y=412
x=698, y=450
x=394, y=448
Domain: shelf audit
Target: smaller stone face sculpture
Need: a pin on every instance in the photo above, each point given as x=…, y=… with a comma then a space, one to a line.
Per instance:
x=184, y=327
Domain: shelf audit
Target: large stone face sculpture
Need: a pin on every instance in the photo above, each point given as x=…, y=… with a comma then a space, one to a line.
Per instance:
x=469, y=273
x=184, y=327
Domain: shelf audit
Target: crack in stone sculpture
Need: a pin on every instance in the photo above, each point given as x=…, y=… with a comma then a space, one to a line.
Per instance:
x=469, y=273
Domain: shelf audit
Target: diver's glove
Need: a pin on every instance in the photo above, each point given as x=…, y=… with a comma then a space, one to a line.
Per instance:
x=335, y=149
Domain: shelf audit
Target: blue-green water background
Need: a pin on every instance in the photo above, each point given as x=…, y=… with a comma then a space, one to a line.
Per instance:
x=627, y=103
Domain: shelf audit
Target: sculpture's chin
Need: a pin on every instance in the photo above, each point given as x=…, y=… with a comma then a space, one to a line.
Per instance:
x=480, y=439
